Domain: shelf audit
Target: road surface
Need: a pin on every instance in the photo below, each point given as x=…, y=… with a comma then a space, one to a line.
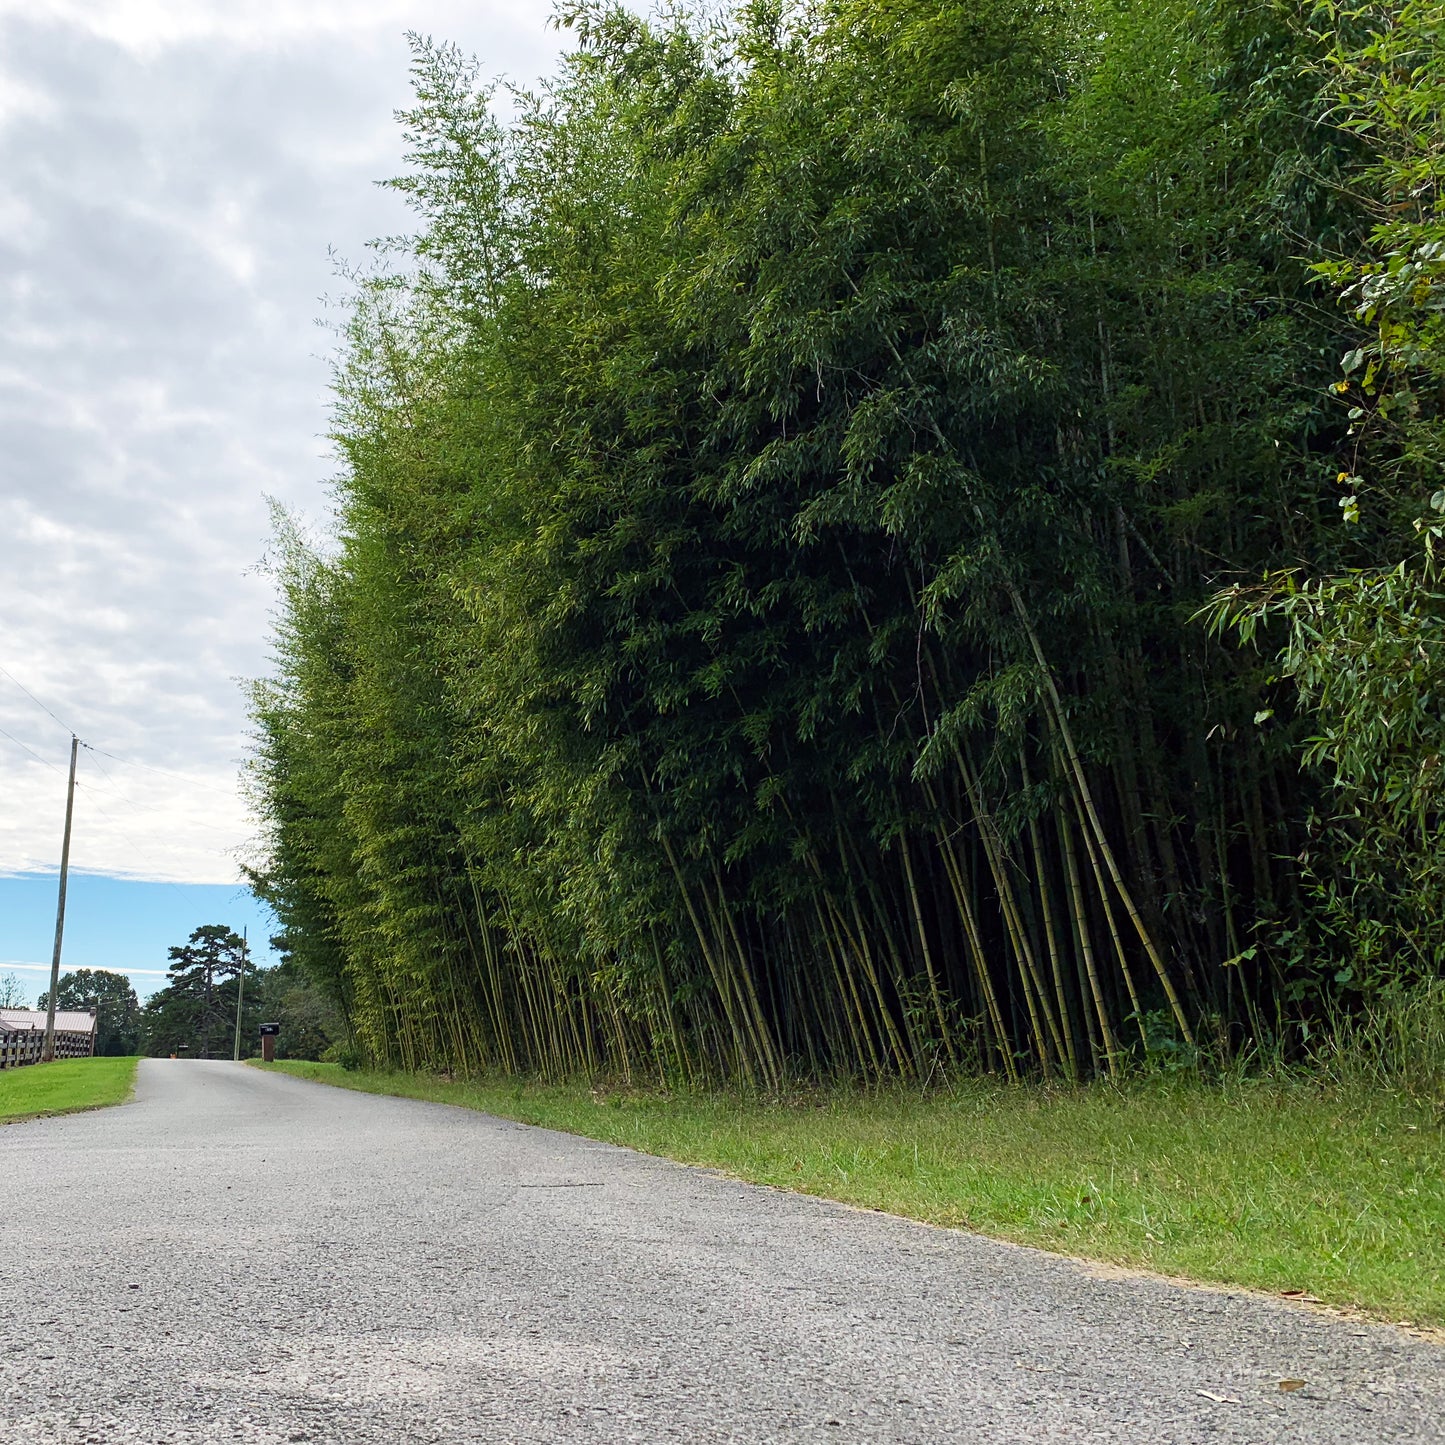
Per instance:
x=240, y=1256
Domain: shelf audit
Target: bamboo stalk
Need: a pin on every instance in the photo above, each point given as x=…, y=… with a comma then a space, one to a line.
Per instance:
x=1086, y=947
x=1117, y=941
x=933, y=989
x=1086, y=798
x=724, y=992
x=992, y=1012
x=1013, y=919
x=846, y=981
x=767, y=1054
x=1050, y=937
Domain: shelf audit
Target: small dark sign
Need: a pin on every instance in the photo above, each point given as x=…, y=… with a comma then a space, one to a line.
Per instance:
x=268, y=1029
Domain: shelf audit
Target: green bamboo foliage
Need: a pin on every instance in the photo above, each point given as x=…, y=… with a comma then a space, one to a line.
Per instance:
x=776, y=493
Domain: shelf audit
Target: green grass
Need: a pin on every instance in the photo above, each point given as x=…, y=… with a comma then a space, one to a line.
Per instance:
x=64, y=1087
x=1277, y=1186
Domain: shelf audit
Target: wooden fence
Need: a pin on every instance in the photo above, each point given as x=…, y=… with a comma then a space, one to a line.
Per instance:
x=22, y=1036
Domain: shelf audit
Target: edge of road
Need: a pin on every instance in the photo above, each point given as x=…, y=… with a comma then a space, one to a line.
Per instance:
x=1102, y=1269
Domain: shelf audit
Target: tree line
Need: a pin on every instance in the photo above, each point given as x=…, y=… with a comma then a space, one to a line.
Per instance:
x=876, y=540
x=194, y=1014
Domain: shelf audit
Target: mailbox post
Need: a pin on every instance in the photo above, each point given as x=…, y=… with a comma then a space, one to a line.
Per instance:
x=268, y=1042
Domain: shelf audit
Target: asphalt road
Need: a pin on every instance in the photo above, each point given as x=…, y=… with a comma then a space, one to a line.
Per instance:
x=239, y=1256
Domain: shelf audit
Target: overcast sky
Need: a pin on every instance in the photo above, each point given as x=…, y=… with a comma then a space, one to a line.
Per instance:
x=172, y=175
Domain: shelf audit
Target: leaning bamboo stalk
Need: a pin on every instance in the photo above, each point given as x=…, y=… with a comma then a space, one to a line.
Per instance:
x=1023, y=970
x=679, y=1052
x=538, y=1021
x=933, y=989
x=843, y=999
x=1095, y=825
x=767, y=1053
x=916, y=1044
x=829, y=920
x=1080, y=778
x=1035, y=1000
x=857, y=946
x=724, y=992
x=492, y=987
x=498, y=999
x=619, y=1028
x=795, y=975
x=1050, y=936
x=838, y=955
x=1113, y=927
x=860, y=944
x=1013, y=918
x=996, y=856
x=1086, y=947
x=903, y=1054
x=582, y=1051
x=547, y=1042
x=953, y=870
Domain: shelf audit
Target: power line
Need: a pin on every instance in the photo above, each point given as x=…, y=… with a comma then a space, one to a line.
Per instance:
x=115, y=792
x=124, y=833
x=91, y=747
x=36, y=700
x=240, y=888
x=164, y=772
x=93, y=792
x=93, y=967
x=29, y=749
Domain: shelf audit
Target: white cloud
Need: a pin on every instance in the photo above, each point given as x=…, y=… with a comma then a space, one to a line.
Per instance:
x=146, y=28
x=171, y=178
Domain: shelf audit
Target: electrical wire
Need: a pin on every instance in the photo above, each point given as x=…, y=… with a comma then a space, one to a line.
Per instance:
x=31, y=751
x=114, y=791
x=36, y=700
x=164, y=772
x=124, y=833
x=91, y=747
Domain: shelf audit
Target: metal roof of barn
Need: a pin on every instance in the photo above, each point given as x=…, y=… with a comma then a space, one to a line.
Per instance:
x=67, y=1021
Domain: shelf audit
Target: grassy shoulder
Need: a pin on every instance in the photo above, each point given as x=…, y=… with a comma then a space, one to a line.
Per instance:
x=1274, y=1186
x=64, y=1087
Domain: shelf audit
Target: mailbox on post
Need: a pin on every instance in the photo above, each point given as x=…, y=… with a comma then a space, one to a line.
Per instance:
x=268, y=1041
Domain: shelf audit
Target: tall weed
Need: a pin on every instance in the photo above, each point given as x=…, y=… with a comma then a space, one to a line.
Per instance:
x=1397, y=1043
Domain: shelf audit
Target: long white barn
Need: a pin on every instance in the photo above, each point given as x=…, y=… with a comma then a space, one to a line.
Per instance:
x=22, y=1035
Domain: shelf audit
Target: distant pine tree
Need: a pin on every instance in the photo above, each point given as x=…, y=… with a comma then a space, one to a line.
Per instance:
x=197, y=1008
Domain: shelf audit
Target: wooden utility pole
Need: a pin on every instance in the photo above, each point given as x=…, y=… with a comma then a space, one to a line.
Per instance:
x=240, y=994
x=48, y=1053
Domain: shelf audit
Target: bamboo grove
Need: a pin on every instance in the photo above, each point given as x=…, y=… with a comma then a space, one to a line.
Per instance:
x=784, y=479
